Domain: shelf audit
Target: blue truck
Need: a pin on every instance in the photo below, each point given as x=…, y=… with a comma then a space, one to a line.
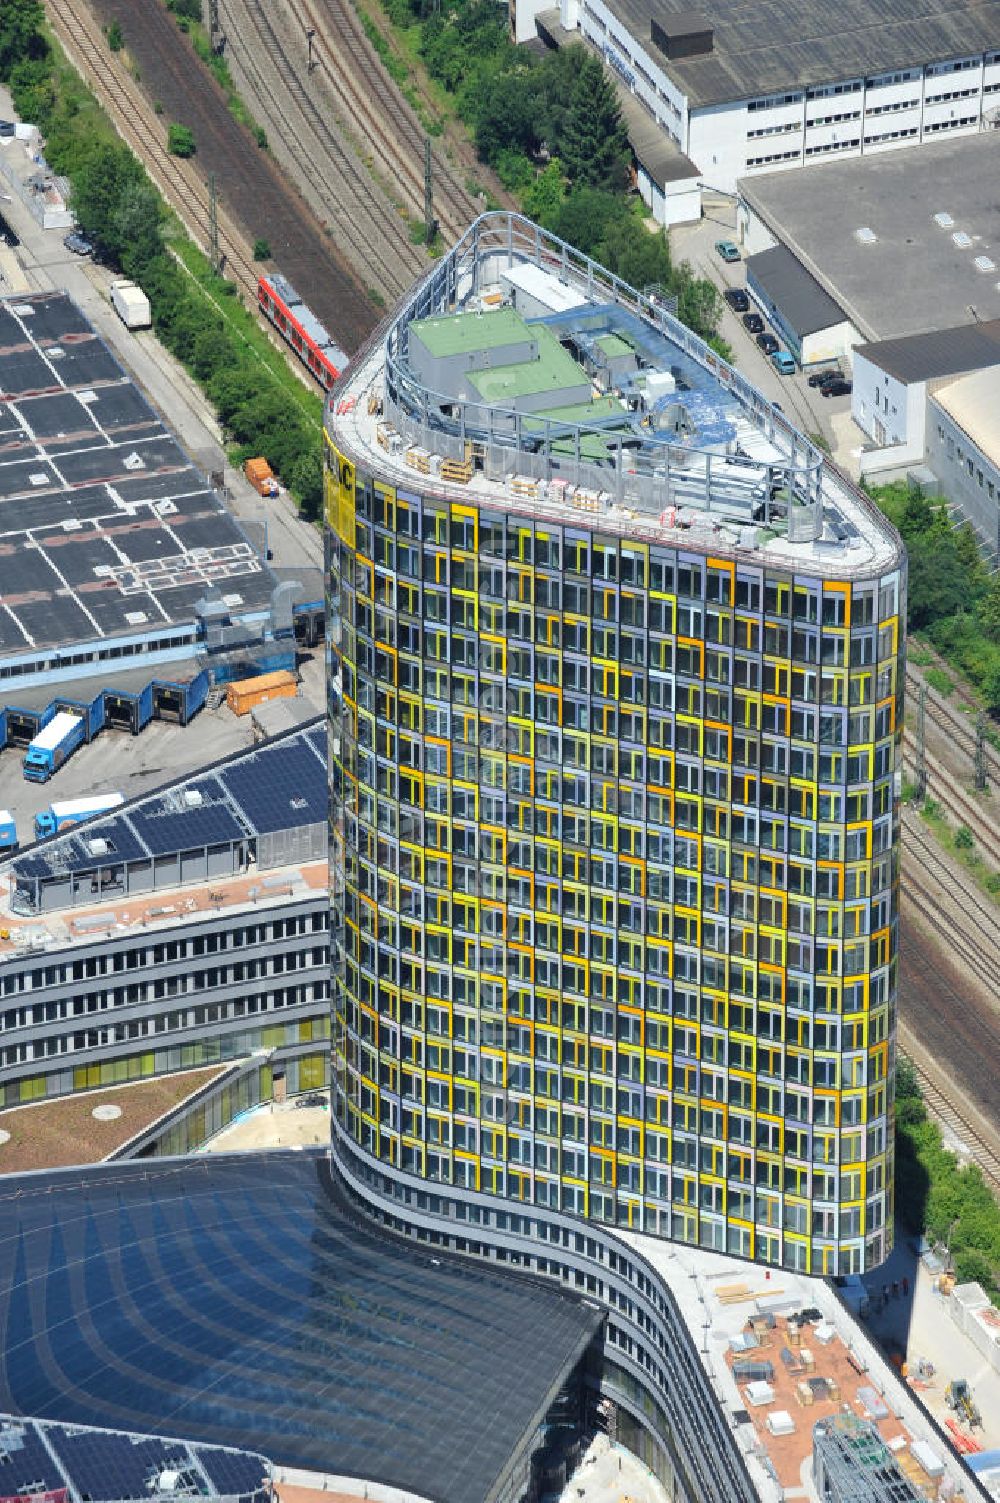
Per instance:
x=72, y=812
x=8, y=833
x=53, y=744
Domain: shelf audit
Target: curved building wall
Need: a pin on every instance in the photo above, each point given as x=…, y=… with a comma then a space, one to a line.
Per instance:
x=616, y=828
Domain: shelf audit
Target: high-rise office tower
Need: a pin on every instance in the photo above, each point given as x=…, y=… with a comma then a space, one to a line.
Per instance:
x=615, y=697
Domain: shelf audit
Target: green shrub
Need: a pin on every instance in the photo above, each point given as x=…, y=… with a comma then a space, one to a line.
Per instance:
x=180, y=141
x=116, y=37
x=262, y=250
x=939, y=680
x=963, y=838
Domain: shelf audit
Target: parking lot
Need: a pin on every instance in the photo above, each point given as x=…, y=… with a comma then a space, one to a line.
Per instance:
x=804, y=405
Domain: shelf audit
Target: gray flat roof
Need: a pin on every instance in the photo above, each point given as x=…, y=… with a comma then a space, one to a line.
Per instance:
x=766, y=46
x=105, y=525
x=238, y=1299
x=805, y=306
x=914, y=277
x=945, y=352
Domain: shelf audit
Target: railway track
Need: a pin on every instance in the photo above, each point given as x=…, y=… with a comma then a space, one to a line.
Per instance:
x=180, y=185
x=380, y=248
x=391, y=128
x=953, y=916
x=946, y=789
x=955, y=725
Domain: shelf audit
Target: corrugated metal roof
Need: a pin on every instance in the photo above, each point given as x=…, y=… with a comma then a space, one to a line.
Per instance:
x=945, y=352
x=804, y=304
x=974, y=403
x=766, y=46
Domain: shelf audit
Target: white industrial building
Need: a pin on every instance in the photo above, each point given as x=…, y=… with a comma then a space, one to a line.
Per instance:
x=895, y=378
x=963, y=448
x=811, y=324
x=787, y=84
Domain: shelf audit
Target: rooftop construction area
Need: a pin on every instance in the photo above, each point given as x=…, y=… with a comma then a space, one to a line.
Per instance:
x=259, y=810
x=756, y=47
x=107, y=531
x=228, y=1297
x=779, y=1377
x=588, y=401
x=933, y=255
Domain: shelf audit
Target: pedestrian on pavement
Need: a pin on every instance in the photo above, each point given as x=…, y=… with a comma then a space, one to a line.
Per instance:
x=895, y=1289
x=906, y=1288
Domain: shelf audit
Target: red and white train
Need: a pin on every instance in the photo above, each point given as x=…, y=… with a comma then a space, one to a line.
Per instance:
x=299, y=327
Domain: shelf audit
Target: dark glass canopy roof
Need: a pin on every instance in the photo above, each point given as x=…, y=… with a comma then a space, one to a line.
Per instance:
x=239, y=1299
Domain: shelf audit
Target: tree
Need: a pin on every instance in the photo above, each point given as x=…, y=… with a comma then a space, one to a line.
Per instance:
x=21, y=37
x=116, y=37
x=306, y=481
x=180, y=141
x=135, y=226
x=584, y=216
x=938, y=584
x=634, y=254
x=262, y=250
x=594, y=143
x=543, y=198
x=508, y=117
x=100, y=186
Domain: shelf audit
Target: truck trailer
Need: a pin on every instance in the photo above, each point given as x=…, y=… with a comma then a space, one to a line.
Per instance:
x=131, y=304
x=73, y=811
x=53, y=744
x=8, y=833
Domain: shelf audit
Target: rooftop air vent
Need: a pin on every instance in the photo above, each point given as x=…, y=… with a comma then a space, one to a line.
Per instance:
x=193, y=798
x=962, y=240
x=865, y=235
x=943, y=221
x=983, y=263
x=686, y=34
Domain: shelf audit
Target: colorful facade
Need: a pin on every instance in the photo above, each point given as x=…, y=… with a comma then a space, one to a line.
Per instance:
x=616, y=823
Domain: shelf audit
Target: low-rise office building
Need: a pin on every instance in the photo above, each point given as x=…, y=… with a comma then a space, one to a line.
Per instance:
x=963, y=448
x=893, y=379
x=186, y=928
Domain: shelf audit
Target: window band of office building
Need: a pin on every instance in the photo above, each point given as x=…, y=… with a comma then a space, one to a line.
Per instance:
x=615, y=794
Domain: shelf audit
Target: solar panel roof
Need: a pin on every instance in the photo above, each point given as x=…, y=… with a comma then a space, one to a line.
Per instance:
x=240, y=1300
x=102, y=515
x=281, y=785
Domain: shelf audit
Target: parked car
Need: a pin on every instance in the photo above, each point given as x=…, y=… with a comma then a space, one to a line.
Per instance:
x=727, y=250
x=820, y=378
x=841, y=388
x=768, y=343
x=737, y=299
x=783, y=363
x=78, y=244
x=753, y=323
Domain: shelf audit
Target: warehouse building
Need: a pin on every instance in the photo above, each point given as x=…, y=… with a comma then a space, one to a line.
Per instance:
x=785, y=86
x=188, y=927
x=813, y=327
x=905, y=243
x=115, y=552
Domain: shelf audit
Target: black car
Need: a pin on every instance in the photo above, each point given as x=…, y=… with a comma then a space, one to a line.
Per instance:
x=838, y=388
x=821, y=378
x=768, y=343
x=737, y=299
x=78, y=244
x=753, y=323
